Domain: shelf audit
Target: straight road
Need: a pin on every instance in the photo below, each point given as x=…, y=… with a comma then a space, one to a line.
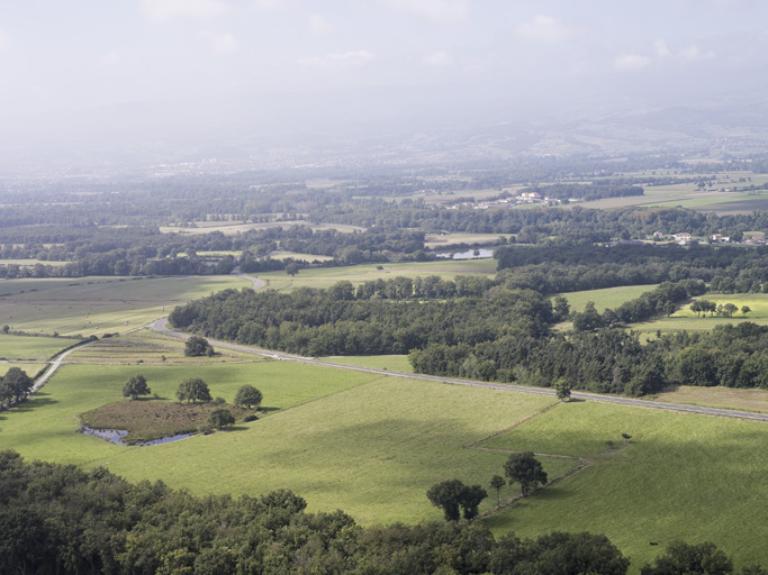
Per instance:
x=161, y=326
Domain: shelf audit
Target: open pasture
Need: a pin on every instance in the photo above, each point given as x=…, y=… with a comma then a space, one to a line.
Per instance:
x=685, y=319
x=31, y=348
x=232, y=228
x=98, y=305
x=372, y=445
x=390, y=362
x=680, y=474
x=31, y=262
x=438, y=241
x=607, y=297
x=326, y=277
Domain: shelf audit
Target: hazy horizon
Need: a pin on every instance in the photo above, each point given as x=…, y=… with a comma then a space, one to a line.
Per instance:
x=150, y=81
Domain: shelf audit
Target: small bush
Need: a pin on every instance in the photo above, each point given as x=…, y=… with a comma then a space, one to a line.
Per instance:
x=249, y=418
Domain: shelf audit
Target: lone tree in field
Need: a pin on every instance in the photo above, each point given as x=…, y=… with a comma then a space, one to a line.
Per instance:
x=292, y=269
x=453, y=496
x=626, y=437
x=248, y=396
x=497, y=482
x=563, y=388
x=745, y=309
x=221, y=419
x=193, y=390
x=136, y=386
x=15, y=386
x=197, y=346
x=525, y=469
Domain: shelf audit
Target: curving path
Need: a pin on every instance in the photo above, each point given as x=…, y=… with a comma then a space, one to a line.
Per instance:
x=161, y=326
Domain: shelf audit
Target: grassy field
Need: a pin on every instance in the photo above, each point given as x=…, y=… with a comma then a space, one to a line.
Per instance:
x=30, y=348
x=436, y=241
x=372, y=446
x=284, y=255
x=232, y=228
x=326, y=277
x=97, y=305
x=30, y=262
x=145, y=347
x=685, y=319
x=725, y=397
x=605, y=298
x=682, y=476
x=391, y=362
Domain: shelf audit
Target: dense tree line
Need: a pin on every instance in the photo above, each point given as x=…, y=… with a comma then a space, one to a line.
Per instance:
x=345, y=321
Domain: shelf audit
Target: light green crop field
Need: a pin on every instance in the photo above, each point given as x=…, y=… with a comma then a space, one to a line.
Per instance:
x=686, y=476
x=391, y=362
x=607, y=297
x=95, y=305
x=284, y=255
x=725, y=397
x=326, y=277
x=685, y=319
x=446, y=240
x=232, y=228
x=22, y=347
x=29, y=262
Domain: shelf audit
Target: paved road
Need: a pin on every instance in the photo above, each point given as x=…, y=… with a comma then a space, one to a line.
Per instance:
x=54, y=365
x=161, y=326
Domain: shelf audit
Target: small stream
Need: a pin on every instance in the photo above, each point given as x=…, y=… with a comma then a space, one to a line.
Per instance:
x=116, y=436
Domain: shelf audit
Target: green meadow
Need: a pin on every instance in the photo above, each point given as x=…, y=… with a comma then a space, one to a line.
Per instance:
x=372, y=445
x=31, y=348
x=685, y=319
x=326, y=277
x=606, y=298
x=97, y=305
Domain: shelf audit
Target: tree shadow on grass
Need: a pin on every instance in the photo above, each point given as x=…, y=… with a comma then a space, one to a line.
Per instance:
x=36, y=401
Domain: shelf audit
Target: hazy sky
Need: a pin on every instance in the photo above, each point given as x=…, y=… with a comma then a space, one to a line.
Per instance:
x=98, y=72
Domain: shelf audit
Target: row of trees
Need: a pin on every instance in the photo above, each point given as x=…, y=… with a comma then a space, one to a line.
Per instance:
x=702, y=307
x=60, y=519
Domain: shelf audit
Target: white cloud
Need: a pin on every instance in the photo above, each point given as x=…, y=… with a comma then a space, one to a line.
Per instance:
x=319, y=25
x=693, y=53
x=350, y=59
x=165, y=9
x=4, y=41
x=627, y=62
x=438, y=59
x=542, y=29
x=110, y=59
x=661, y=48
x=221, y=43
x=435, y=10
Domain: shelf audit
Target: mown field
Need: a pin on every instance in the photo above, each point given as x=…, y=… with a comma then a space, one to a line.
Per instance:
x=232, y=228
x=326, y=277
x=30, y=348
x=96, y=305
x=685, y=319
x=607, y=297
x=391, y=362
x=682, y=476
x=437, y=241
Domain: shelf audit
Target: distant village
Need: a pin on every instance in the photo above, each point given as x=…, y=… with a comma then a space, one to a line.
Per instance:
x=685, y=239
x=522, y=198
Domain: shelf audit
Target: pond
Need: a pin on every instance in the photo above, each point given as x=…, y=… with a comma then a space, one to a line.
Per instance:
x=117, y=436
